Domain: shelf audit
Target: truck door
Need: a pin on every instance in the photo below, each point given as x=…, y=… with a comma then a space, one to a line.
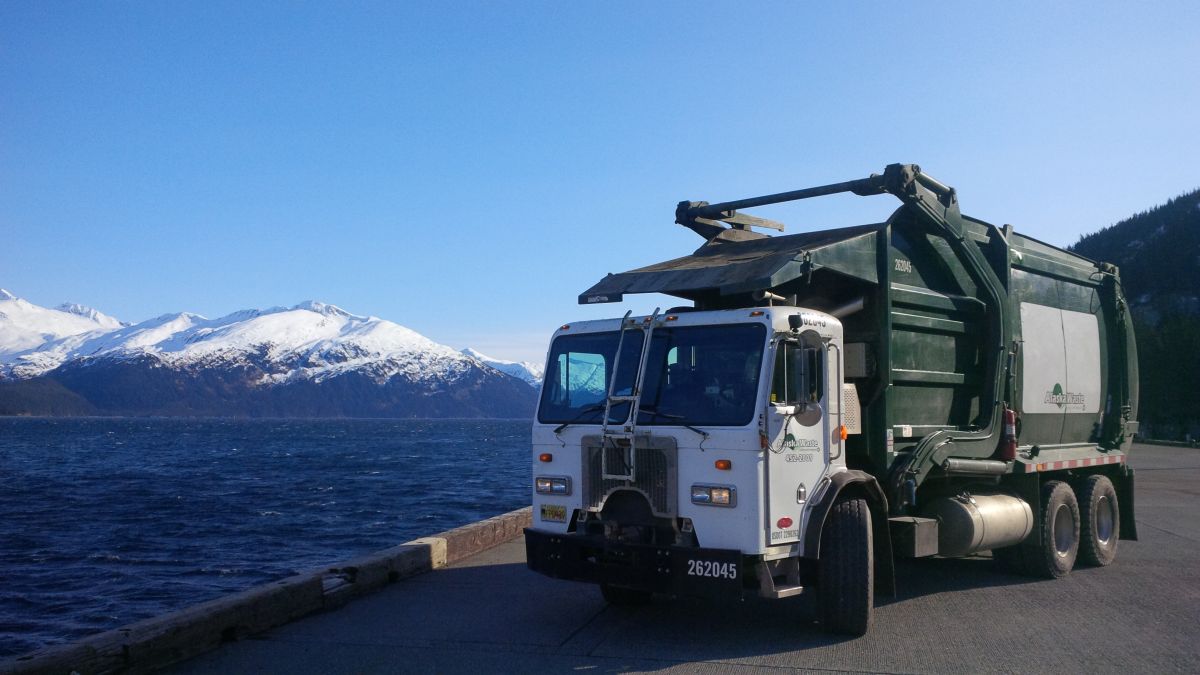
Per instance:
x=798, y=423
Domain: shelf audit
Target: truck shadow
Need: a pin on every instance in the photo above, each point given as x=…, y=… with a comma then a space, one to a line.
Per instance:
x=929, y=576
x=571, y=619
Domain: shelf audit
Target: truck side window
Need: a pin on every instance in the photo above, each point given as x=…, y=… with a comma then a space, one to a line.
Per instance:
x=815, y=380
x=783, y=383
x=799, y=375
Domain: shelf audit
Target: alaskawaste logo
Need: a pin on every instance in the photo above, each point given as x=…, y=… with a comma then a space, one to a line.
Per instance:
x=1060, y=398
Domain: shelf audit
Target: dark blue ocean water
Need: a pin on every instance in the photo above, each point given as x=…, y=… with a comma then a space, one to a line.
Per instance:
x=108, y=521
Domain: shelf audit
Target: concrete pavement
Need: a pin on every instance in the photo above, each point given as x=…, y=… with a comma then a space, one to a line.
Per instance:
x=488, y=613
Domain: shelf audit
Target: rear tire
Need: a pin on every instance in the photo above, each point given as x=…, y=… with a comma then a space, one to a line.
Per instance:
x=624, y=597
x=1058, y=531
x=1099, y=521
x=847, y=569
x=1050, y=550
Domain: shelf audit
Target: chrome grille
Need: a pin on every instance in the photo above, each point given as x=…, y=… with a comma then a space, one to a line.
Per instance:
x=655, y=472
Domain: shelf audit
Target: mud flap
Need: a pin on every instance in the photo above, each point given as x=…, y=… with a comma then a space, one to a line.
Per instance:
x=1123, y=482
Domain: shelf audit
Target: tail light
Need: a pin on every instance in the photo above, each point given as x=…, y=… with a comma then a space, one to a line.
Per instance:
x=1008, y=440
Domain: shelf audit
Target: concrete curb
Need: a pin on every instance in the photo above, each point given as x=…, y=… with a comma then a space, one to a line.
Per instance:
x=160, y=641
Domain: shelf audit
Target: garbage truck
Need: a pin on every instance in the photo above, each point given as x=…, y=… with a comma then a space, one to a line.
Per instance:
x=823, y=403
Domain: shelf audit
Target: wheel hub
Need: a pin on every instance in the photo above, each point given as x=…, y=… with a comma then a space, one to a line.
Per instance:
x=1064, y=527
x=1104, y=519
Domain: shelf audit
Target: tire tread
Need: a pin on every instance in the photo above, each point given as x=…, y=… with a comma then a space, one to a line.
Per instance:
x=1091, y=551
x=847, y=576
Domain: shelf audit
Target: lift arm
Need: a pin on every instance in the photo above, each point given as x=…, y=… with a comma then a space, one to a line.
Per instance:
x=900, y=180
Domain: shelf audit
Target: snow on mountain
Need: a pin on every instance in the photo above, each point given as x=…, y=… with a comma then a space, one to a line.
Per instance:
x=311, y=341
x=310, y=360
x=530, y=372
x=25, y=326
x=86, y=312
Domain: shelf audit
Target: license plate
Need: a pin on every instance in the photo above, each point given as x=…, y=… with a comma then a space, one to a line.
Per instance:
x=554, y=513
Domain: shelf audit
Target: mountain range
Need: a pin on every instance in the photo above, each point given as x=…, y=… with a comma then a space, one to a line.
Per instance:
x=310, y=360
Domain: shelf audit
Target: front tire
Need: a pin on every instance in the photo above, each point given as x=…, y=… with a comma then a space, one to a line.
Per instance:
x=1100, y=521
x=847, y=569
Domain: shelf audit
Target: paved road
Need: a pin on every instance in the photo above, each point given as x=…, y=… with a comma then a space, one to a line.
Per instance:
x=490, y=614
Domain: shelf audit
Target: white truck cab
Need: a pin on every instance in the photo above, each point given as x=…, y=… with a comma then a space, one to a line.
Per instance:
x=723, y=430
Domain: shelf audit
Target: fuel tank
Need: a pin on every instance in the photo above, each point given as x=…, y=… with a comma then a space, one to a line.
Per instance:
x=979, y=522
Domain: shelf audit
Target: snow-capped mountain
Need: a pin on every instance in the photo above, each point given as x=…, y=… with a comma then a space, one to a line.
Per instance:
x=25, y=326
x=312, y=359
x=525, y=370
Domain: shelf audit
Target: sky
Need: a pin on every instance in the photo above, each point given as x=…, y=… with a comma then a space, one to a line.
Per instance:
x=468, y=169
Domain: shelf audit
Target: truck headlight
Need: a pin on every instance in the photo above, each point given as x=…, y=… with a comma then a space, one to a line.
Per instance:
x=714, y=495
x=552, y=485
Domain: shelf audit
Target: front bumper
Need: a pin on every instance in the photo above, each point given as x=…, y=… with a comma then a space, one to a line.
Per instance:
x=703, y=572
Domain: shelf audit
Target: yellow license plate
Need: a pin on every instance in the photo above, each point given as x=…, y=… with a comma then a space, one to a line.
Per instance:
x=554, y=513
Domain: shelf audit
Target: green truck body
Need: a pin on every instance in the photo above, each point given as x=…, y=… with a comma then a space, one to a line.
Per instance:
x=942, y=346
x=929, y=385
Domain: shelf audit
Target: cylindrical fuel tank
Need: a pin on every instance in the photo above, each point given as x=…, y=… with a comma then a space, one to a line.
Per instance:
x=979, y=522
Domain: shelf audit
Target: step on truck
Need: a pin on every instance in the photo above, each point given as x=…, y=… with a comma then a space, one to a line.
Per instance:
x=829, y=401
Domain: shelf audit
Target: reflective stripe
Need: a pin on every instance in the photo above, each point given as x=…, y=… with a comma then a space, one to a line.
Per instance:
x=1074, y=463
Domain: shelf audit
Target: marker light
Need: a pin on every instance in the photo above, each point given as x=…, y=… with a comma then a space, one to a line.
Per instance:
x=723, y=464
x=757, y=312
x=714, y=495
x=545, y=457
x=672, y=318
x=784, y=523
x=845, y=432
x=552, y=485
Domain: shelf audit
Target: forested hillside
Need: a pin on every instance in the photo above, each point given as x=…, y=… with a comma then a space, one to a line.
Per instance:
x=1158, y=252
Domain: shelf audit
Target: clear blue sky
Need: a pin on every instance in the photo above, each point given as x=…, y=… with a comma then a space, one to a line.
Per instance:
x=467, y=169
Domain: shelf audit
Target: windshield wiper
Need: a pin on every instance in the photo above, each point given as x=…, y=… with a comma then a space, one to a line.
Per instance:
x=655, y=414
x=595, y=407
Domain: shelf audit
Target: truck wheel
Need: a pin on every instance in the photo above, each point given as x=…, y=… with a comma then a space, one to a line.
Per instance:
x=624, y=597
x=1100, y=521
x=1050, y=550
x=847, y=569
x=1058, y=531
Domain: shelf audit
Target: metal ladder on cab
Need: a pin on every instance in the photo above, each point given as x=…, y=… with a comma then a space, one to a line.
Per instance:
x=609, y=439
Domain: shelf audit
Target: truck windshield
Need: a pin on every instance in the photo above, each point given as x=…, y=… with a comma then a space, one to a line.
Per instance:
x=695, y=375
x=702, y=375
x=578, y=374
